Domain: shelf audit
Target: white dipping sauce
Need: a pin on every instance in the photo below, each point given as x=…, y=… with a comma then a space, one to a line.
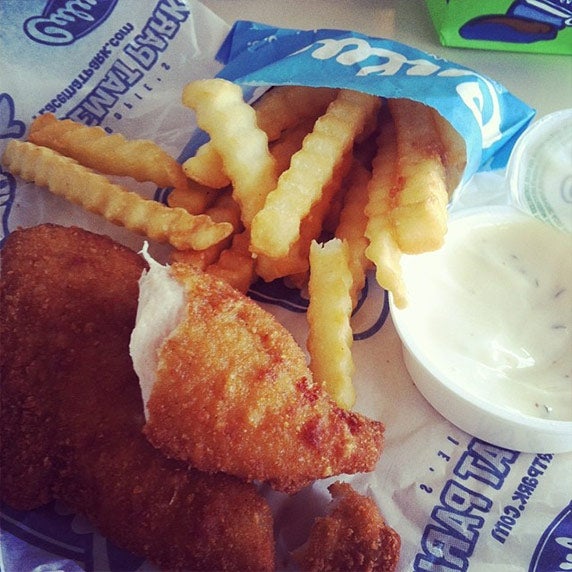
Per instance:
x=493, y=310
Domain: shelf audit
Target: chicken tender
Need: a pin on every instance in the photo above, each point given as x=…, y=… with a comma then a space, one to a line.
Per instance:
x=353, y=536
x=72, y=414
x=233, y=393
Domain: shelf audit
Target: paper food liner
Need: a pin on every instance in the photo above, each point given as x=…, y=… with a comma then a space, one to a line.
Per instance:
x=457, y=502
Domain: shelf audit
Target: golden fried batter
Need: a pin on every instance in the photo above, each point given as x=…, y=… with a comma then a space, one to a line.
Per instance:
x=233, y=393
x=353, y=537
x=71, y=412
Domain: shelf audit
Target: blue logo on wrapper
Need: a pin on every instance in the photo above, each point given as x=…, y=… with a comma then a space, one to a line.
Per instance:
x=489, y=118
x=63, y=22
x=554, y=551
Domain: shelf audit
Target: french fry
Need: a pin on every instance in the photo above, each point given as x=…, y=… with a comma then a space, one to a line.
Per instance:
x=296, y=260
x=454, y=154
x=385, y=252
x=206, y=167
x=420, y=213
x=420, y=227
x=283, y=107
x=231, y=123
x=235, y=264
x=224, y=209
x=200, y=258
x=63, y=176
x=141, y=159
x=230, y=259
x=289, y=143
x=382, y=249
x=330, y=335
x=277, y=110
x=352, y=227
x=194, y=198
x=277, y=226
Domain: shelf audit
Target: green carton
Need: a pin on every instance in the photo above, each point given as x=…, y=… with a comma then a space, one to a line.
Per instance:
x=514, y=25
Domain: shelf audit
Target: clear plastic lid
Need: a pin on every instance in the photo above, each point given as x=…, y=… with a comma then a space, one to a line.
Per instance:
x=539, y=172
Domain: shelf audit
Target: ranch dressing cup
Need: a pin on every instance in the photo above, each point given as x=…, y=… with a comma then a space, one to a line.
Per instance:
x=497, y=363
x=486, y=331
x=539, y=171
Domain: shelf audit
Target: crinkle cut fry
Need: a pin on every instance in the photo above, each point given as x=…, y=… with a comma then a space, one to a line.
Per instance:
x=278, y=109
x=383, y=250
x=298, y=188
x=78, y=184
x=419, y=213
x=352, y=226
x=112, y=154
x=194, y=198
x=284, y=106
x=206, y=167
x=296, y=260
x=454, y=155
x=330, y=334
x=224, y=209
x=231, y=123
x=289, y=143
x=235, y=264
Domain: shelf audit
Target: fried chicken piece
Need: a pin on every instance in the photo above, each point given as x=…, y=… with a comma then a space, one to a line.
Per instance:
x=233, y=393
x=71, y=412
x=353, y=536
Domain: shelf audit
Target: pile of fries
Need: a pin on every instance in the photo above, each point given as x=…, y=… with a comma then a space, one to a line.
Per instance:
x=314, y=186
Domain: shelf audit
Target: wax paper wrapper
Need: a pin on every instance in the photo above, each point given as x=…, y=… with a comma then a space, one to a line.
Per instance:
x=458, y=503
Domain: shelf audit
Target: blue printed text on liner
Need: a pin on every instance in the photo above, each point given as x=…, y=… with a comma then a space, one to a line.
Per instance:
x=525, y=489
x=451, y=537
x=137, y=57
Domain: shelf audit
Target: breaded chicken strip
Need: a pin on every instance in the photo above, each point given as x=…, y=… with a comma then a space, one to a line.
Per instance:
x=71, y=412
x=233, y=393
x=353, y=536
